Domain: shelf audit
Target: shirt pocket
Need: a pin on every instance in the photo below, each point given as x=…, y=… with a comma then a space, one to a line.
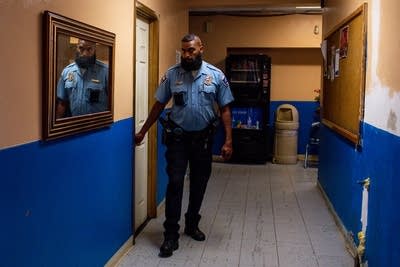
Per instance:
x=207, y=94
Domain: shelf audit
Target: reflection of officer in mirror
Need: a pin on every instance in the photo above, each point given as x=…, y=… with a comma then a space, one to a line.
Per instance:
x=83, y=84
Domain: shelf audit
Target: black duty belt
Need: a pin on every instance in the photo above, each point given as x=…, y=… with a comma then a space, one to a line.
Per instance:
x=171, y=127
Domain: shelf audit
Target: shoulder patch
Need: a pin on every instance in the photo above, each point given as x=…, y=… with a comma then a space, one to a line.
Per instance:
x=225, y=81
x=71, y=77
x=163, y=79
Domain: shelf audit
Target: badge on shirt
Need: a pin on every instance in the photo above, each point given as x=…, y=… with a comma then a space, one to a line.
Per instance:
x=70, y=77
x=95, y=81
x=208, y=80
x=178, y=82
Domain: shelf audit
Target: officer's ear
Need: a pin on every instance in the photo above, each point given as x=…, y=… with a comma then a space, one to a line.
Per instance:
x=201, y=48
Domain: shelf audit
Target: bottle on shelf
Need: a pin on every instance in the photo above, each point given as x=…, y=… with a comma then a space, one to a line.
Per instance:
x=249, y=122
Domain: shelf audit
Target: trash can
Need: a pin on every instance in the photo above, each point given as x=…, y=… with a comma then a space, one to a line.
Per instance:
x=286, y=128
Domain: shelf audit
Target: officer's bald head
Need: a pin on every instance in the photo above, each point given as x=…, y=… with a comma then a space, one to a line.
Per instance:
x=86, y=42
x=86, y=46
x=192, y=37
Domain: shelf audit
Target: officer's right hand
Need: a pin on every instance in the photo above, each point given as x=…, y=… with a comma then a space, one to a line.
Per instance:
x=139, y=138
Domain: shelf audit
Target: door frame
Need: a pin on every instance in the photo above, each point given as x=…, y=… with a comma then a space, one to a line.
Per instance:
x=145, y=13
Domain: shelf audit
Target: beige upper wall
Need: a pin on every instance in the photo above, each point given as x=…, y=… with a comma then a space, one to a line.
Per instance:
x=337, y=10
x=174, y=23
x=295, y=72
x=389, y=45
x=382, y=98
x=248, y=3
x=382, y=94
x=294, y=33
x=20, y=27
x=279, y=31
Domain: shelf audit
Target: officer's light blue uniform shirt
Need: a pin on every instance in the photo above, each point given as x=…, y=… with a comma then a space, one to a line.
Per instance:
x=87, y=92
x=198, y=95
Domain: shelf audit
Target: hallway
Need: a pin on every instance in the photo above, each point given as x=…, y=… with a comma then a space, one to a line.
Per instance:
x=253, y=215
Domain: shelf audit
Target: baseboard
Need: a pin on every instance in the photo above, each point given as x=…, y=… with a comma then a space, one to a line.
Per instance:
x=312, y=157
x=217, y=158
x=300, y=157
x=348, y=236
x=161, y=208
x=128, y=245
x=125, y=248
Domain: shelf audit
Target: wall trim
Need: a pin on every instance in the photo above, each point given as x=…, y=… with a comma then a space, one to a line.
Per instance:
x=121, y=252
x=348, y=236
x=129, y=244
x=161, y=208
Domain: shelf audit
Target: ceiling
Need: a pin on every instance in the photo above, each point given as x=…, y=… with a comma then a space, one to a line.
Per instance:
x=254, y=8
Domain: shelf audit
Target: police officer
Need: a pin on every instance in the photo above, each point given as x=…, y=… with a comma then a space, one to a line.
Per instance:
x=83, y=85
x=195, y=87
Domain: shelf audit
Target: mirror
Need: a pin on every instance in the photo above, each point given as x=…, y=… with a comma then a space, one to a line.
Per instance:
x=78, y=77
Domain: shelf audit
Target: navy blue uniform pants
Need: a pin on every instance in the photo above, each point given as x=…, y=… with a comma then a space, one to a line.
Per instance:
x=193, y=149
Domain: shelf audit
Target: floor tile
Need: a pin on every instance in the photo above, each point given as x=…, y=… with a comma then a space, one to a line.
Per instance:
x=221, y=251
x=326, y=240
x=255, y=252
x=293, y=255
x=294, y=232
x=270, y=215
x=335, y=261
x=259, y=229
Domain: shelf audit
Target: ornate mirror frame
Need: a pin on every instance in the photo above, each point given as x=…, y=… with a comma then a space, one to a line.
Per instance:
x=61, y=37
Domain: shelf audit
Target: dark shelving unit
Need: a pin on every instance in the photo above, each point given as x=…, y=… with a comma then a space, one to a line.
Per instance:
x=249, y=77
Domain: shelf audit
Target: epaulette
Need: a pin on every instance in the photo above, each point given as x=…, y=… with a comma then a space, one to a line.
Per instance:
x=176, y=66
x=101, y=63
x=70, y=65
x=211, y=67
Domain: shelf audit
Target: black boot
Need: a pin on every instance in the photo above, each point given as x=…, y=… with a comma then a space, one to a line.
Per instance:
x=168, y=247
x=192, y=227
x=195, y=233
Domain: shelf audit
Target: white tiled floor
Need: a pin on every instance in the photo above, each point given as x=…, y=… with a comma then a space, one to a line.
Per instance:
x=253, y=215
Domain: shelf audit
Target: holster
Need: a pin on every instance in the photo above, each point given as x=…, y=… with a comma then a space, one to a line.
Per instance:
x=214, y=125
x=173, y=132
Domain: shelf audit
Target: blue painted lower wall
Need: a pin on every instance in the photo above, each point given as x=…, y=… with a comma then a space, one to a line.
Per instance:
x=307, y=116
x=342, y=166
x=67, y=202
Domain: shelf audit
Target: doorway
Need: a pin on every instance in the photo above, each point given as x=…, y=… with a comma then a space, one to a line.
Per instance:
x=146, y=81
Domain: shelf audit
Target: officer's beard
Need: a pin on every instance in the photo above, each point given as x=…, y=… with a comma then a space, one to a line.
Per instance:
x=190, y=65
x=85, y=61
